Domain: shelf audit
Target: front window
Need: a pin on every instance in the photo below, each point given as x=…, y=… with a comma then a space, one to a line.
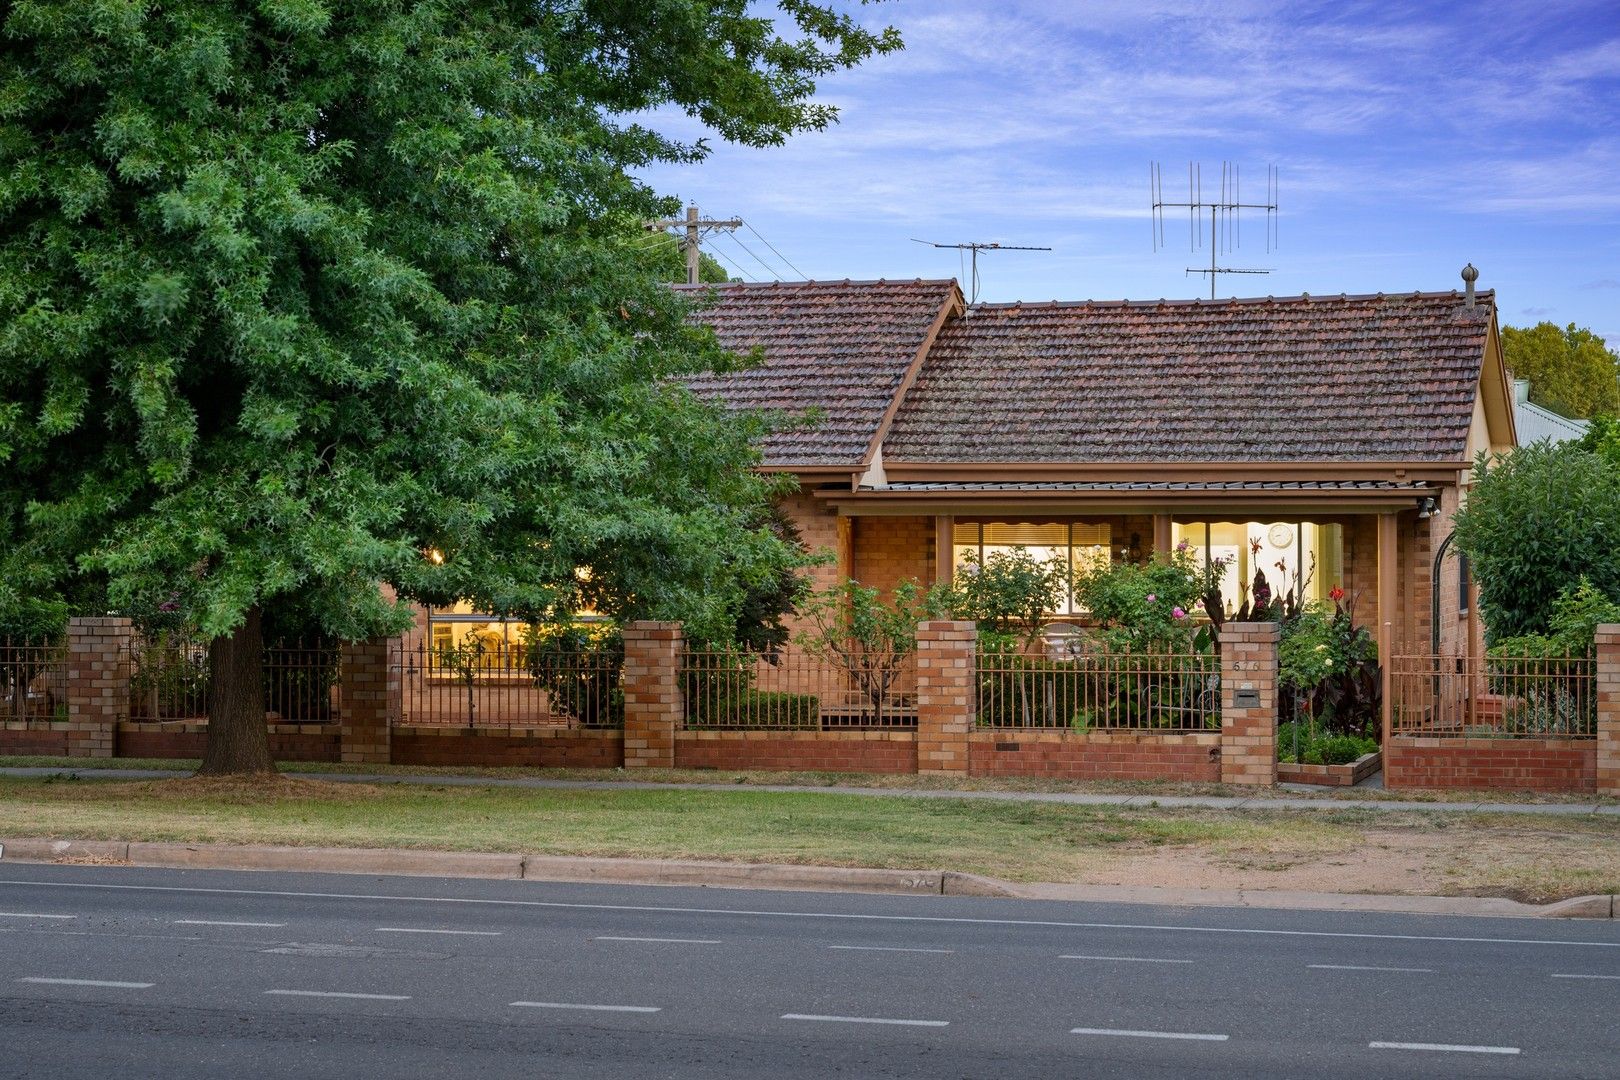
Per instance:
x=1079, y=546
x=460, y=636
x=1285, y=550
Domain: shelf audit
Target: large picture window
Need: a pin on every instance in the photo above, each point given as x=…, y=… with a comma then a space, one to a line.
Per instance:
x=1080, y=546
x=1300, y=547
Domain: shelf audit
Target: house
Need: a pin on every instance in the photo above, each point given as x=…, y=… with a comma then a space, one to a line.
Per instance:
x=1330, y=436
x=1535, y=423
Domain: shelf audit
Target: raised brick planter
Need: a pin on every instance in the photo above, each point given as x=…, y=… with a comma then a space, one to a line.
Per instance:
x=1347, y=775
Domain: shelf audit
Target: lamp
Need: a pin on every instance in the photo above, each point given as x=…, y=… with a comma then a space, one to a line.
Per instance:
x=1427, y=508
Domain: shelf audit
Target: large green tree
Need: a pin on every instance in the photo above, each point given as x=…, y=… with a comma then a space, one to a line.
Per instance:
x=1571, y=371
x=295, y=291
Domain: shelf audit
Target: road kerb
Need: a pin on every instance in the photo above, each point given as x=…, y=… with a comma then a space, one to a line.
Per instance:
x=725, y=875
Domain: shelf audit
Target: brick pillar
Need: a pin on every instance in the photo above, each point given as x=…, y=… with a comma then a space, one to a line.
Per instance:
x=1249, y=703
x=653, y=707
x=1608, y=709
x=945, y=695
x=371, y=693
x=97, y=684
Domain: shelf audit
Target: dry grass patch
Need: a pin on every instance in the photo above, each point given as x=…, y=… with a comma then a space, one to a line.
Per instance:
x=1346, y=849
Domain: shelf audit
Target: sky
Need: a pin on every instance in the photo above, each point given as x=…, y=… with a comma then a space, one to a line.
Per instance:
x=1408, y=138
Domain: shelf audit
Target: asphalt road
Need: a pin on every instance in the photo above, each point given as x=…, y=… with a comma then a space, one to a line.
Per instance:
x=113, y=971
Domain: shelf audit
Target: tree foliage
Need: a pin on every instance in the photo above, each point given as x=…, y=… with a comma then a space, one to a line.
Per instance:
x=1537, y=520
x=293, y=292
x=1572, y=372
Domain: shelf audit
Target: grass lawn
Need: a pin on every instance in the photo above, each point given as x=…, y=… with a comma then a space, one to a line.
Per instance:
x=1348, y=849
x=899, y=782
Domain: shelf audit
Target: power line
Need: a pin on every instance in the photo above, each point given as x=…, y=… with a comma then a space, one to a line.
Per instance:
x=778, y=254
x=720, y=257
x=771, y=271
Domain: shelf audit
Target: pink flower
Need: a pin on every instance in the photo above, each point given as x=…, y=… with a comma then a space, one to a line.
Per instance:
x=1177, y=613
x=1152, y=599
x=1183, y=546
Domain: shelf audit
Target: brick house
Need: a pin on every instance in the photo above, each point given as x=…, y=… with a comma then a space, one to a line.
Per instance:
x=1335, y=431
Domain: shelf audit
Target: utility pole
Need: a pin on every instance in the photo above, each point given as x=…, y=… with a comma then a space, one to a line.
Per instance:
x=695, y=226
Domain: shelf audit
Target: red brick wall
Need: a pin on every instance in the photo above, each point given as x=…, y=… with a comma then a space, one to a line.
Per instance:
x=1061, y=755
x=288, y=742
x=1522, y=764
x=553, y=748
x=819, y=751
x=889, y=550
x=34, y=737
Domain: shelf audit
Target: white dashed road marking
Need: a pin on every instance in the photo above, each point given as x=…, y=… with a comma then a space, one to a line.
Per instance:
x=1444, y=1047
x=1193, y=1036
x=88, y=982
x=338, y=994
x=586, y=1008
x=865, y=1020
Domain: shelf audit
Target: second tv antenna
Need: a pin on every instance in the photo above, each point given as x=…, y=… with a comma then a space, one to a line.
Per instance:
x=1225, y=215
x=975, y=248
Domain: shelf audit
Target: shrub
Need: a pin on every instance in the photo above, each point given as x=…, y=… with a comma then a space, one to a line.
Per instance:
x=1147, y=607
x=745, y=707
x=1306, y=744
x=1008, y=593
x=852, y=627
x=1539, y=518
x=580, y=666
x=1328, y=669
x=1545, y=680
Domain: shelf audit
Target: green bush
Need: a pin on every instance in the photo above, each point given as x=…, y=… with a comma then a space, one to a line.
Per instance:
x=1546, y=680
x=750, y=708
x=1144, y=608
x=1538, y=519
x=580, y=666
x=1306, y=744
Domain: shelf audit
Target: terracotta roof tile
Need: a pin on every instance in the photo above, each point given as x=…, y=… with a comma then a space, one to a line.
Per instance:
x=1361, y=378
x=838, y=347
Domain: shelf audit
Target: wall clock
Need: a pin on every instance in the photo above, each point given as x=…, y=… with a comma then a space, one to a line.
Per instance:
x=1281, y=535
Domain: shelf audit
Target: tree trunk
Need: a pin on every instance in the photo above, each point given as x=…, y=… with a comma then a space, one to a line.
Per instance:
x=238, y=740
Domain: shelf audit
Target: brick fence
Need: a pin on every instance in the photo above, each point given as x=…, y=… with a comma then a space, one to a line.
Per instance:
x=89, y=717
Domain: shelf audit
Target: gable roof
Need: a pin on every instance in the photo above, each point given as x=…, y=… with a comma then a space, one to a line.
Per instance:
x=841, y=348
x=1356, y=378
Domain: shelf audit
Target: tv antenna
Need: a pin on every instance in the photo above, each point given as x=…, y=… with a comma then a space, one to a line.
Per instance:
x=1225, y=215
x=975, y=248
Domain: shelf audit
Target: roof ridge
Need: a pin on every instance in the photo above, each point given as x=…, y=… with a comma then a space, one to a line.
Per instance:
x=1199, y=302
x=810, y=282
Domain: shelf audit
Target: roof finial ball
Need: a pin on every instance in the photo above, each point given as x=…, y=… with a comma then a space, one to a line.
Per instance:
x=1469, y=276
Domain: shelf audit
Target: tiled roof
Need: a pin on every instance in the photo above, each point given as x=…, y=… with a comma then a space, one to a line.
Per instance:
x=1160, y=485
x=1357, y=378
x=837, y=347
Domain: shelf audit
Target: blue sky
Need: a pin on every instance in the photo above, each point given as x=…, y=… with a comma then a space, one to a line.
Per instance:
x=1409, y=138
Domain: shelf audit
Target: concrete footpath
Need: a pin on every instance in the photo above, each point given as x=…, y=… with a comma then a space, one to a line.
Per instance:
x=715, y=874
x=1209, y=802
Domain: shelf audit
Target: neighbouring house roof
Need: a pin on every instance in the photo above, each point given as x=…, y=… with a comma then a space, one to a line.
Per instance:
x=1339, y=378
x=839, y=348
x=1535, y=423
x=1163, y=486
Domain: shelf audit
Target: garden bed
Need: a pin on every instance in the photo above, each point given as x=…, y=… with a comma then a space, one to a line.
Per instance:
x=1347, y=775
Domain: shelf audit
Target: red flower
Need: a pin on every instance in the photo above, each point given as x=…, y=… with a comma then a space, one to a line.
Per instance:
x=1335, y=594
